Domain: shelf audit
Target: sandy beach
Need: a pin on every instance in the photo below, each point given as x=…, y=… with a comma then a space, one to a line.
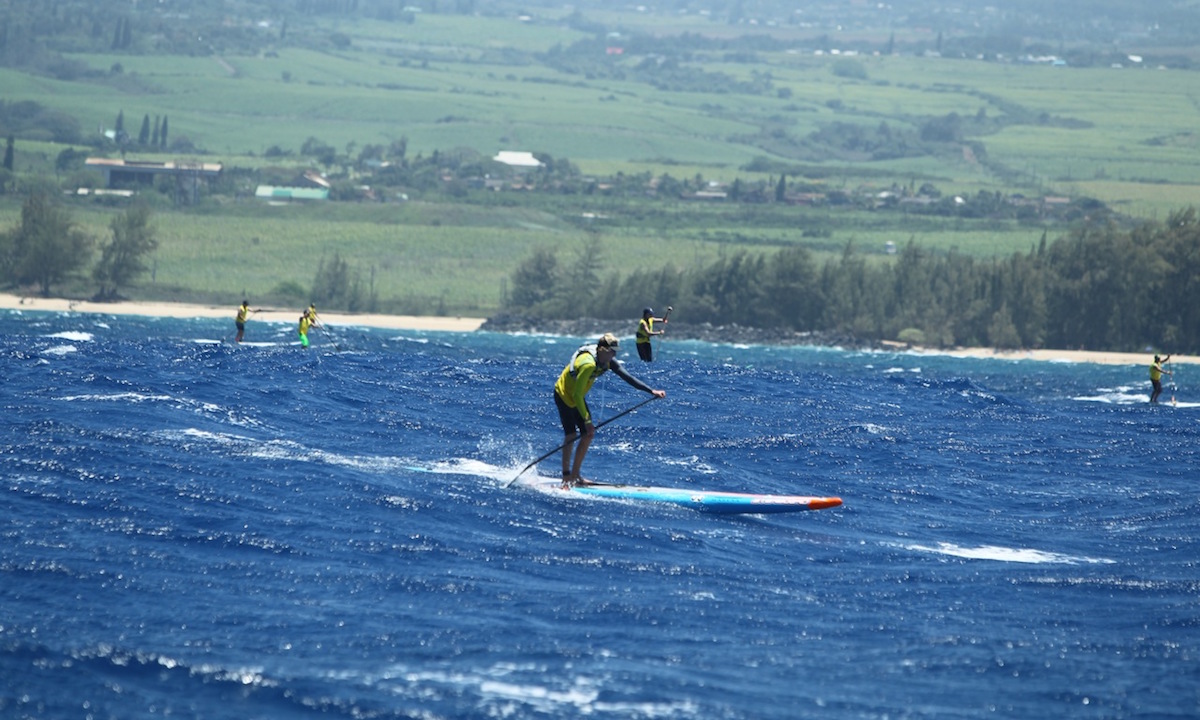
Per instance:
x=184, y=310
x=468, y=324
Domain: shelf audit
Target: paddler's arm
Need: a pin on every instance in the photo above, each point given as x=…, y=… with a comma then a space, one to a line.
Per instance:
x=634, y=382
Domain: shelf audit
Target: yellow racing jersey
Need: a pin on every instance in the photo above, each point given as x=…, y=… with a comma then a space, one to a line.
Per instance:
x=576, y=379
x=645, y=327
x=579, y=375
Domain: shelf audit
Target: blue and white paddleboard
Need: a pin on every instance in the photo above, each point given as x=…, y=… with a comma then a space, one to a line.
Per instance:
x=704, y=500
x=244, y=343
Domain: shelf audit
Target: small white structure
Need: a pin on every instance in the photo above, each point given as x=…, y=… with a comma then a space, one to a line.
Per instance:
x=517, y=159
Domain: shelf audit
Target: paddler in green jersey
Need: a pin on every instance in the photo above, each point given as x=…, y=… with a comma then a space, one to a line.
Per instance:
x=570, y=396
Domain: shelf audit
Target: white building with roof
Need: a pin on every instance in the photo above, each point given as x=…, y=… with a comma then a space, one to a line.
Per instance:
x=517, y=159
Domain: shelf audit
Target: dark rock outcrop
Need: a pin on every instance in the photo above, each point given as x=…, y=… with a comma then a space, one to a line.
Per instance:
x=592, y=328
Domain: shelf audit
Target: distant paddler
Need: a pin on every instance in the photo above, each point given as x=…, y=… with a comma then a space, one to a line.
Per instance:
x=1156, y=373
x=307, y=320
x=646, y=330
x=243, y=314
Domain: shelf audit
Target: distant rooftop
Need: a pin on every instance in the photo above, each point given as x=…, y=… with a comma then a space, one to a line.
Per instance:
x=271, y=192
x=169, y=167
x=517, y=159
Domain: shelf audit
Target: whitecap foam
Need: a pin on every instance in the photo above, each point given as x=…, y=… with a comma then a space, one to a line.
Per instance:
x=1114, y=396
x=117, y=397
x=1004, y=554
x=623, y=446
x=692, y=463
x=211, y=436
x=60, y=350
x=874, y=429
x=581, y=696
x=468, y=466
x=72, y=335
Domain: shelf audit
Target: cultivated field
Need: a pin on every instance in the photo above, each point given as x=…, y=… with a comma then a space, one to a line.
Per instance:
x=1125, y=136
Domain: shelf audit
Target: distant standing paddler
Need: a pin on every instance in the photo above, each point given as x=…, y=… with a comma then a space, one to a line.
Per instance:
x=307, y=320
x=646, y=330
x=243, y=314
x=1156, y=373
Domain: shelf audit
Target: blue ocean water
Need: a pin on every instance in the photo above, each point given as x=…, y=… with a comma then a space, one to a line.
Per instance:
x=196, y=529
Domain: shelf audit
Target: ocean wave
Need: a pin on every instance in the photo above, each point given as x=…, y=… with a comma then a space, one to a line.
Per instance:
x=1005, y=554
x=75, y=336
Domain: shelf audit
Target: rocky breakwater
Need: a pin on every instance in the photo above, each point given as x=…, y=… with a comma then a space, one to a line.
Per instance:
x=592, y=328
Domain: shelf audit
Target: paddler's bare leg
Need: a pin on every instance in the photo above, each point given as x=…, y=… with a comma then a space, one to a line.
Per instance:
x=568, y=446
x=589, y=432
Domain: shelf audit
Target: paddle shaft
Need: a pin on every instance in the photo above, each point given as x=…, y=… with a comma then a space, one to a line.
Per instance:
x=562, y=445
x=333, y=340
x=1172, y=383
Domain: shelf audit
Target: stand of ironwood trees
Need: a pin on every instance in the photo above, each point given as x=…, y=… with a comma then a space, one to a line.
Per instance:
x=1100, y=287
x=48, y=247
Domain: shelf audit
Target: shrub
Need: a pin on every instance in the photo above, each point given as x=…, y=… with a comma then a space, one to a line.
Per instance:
x=911, y=336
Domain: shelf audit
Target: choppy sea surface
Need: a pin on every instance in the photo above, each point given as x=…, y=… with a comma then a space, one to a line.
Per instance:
x=196, y=529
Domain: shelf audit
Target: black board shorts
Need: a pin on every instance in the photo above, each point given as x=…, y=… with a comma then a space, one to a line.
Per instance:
x=570, y=417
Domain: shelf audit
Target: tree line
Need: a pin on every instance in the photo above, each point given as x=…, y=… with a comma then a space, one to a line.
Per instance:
x=1100, y=287
x=147, y=138
x=47, y=247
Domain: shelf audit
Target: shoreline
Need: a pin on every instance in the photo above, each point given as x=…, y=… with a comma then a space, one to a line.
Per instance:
x=188, y=310
x=1096, y=357
x=469, y=324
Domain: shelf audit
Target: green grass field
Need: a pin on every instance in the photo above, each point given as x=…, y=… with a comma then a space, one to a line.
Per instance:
x=446, y=82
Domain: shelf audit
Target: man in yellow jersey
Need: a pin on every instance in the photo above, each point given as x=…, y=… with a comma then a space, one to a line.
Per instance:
x=646, y=330
x=570, y=393
x=243, y=314
x=1156, y=373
